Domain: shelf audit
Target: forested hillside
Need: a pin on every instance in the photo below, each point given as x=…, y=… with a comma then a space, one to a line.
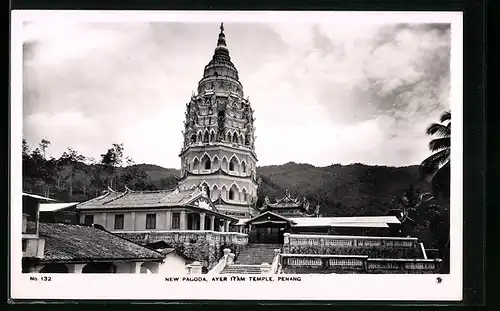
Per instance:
x=340, y=190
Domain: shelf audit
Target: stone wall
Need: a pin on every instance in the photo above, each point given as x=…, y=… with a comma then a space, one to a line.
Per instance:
x=203, y=246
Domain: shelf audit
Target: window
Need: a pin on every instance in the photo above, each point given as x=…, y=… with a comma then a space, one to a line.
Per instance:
x=150, y=221
x=176, y=221
x=25, y=245
x=231, y=194
x=206, y=162
x=119, y=219
x=89, y=220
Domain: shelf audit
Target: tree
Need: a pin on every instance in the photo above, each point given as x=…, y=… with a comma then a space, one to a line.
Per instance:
x=436, y=168
x=414, y=207
x=68, y=165
x=26, y=149
x=44, y=144
x=112, y=159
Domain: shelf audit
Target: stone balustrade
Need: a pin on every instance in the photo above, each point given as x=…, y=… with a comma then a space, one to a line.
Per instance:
x=324, y=261
x=348, y=241
x=405, y=265
x=275, y=266
x=226, y=260
x=358, y=263
x=185, y=236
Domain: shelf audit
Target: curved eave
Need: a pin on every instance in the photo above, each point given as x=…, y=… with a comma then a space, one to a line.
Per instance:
x=221, y=201
x=212, y=212
x=220, y=171
x=208, y=145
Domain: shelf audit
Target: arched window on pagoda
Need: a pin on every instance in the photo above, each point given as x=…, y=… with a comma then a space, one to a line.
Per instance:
x=233, y=165
x=243, y=167
x=206, y=137
x=233, y=193
x=198, y=139
x=235, y=138
x=206, y=187
x=245, y=195
x=206, y=163
x=223, y=192
x=229, y=137
x=212, y=136
x=215, y=192
x=193, y=138
x=196, y=164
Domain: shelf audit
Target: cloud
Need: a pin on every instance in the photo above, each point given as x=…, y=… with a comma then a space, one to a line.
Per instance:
x=322, y=93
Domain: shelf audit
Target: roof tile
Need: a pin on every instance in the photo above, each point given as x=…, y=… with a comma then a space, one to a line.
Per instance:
x=64, y=242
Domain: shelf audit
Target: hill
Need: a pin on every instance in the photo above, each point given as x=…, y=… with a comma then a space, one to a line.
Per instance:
x=340, y=190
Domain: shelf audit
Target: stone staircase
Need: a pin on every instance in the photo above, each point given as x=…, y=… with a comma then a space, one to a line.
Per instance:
x=241, y=269
x=251, y=257
x=256, y=254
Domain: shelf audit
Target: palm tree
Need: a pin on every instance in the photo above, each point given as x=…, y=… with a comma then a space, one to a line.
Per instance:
x=436, y=168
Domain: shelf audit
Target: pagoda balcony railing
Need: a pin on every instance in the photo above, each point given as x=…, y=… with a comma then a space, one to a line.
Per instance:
x=348, y=241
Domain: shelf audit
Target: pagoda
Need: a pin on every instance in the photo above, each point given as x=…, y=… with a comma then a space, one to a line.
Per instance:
x=218, y=151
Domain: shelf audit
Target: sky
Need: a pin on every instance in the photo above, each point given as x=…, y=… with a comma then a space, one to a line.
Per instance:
x=322, y=93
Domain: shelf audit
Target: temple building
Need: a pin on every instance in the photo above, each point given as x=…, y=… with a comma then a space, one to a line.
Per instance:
x=160, y=210
x=294, y=215
x=65, y=247
x=219, y=138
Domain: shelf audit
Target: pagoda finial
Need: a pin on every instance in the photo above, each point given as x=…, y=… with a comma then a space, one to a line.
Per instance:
x=222, y=37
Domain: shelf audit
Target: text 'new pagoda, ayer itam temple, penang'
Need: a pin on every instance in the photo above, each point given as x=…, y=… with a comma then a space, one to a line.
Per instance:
x=212, y=220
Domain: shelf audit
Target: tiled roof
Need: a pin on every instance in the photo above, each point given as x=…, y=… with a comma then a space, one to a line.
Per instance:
x=54, y=207
x=137, y=199
x=38, y=197
x=77, y=243
x=344, y=221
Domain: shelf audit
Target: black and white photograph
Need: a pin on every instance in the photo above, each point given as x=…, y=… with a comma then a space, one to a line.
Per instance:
x=222, y=154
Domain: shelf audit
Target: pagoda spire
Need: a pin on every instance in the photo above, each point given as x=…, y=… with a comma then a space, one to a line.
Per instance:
x=222, y=37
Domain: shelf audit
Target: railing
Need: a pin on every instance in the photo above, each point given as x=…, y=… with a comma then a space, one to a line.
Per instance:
x=226, y=260
x=361, y=264
x=185, y=236
x=422, y=248
x=405, y=265
x=276, y=265
x=348, y=241
x=324, y=261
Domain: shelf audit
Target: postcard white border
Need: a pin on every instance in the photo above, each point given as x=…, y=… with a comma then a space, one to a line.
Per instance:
x=312, y=287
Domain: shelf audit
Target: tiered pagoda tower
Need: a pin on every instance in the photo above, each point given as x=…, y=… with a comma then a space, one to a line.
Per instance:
x=219, y=151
